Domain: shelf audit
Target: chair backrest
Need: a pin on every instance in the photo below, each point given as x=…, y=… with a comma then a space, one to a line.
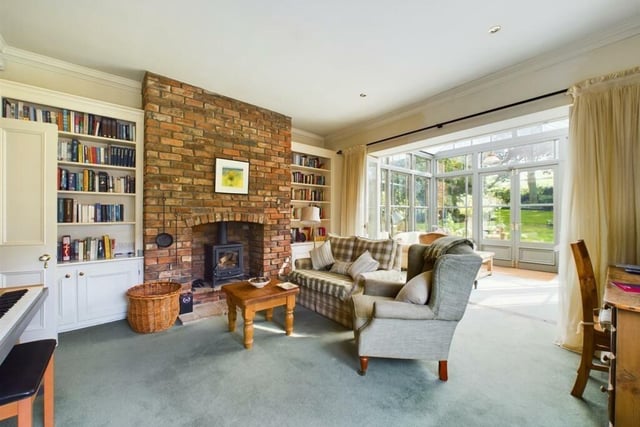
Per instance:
x=587, y=278
x=451, y=284
x=428, y=238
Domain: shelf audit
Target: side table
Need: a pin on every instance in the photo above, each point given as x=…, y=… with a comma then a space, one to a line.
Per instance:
x=251, y=299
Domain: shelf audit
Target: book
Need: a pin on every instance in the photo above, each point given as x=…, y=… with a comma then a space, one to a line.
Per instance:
x=67, y=210
x=103, y=182
x=627, y=287
x=66, y=248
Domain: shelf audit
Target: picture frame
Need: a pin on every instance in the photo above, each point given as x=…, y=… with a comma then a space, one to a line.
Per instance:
x=232, y=176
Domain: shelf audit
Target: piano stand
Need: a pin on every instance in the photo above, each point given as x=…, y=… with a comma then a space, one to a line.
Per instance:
x=26, y=368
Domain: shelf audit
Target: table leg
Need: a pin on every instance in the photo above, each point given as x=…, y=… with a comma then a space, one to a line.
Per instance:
x=269, y=314
x=249, y=314
x=288, y=317
x=231, y=315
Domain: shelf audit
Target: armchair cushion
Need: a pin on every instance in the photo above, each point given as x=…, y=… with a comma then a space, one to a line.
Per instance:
x=416, y=290
x=390, y=309
x=322, y=257
x=363, y=264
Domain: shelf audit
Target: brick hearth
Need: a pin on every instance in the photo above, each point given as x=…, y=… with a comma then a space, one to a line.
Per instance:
x=186, y=129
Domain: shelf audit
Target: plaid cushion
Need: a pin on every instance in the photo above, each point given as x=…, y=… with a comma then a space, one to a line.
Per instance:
x=321, y=257
x=383, y=251
x=342, y=247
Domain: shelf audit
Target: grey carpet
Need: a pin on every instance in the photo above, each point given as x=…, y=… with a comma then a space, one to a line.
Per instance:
x=503, y=371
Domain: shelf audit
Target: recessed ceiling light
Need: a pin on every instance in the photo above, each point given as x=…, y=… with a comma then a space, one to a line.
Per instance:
x=363, y=95
x=494, y=29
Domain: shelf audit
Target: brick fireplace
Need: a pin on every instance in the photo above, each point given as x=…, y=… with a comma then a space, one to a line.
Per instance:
x=186, y=129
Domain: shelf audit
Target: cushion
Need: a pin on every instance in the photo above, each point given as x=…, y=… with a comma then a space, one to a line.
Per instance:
x=342, y=247
x=363, y=264
x=341, y=267
x=383, y=250
x=321, y=257
x=416, y=290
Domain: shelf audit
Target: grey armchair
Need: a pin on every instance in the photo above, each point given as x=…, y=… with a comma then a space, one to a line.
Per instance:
x=386, y=327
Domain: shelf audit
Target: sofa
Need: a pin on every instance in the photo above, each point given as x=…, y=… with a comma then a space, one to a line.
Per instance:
x=339, y=268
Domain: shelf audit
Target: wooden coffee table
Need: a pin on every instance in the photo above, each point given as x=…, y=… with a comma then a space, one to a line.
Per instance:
x=251, y=300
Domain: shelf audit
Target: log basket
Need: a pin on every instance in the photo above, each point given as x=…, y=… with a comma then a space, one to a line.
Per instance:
x=153, y=307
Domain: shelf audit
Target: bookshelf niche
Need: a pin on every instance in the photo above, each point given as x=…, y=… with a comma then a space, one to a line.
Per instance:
x=311, y=180
x=97, y=164
x=98, y=200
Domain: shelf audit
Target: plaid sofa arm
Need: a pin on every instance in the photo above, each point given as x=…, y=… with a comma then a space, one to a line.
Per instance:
x=304, y=264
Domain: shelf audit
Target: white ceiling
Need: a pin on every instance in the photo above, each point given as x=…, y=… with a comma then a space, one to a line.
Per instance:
x=308, y=60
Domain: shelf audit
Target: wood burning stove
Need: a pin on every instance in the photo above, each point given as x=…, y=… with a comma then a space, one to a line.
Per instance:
x=223, y=261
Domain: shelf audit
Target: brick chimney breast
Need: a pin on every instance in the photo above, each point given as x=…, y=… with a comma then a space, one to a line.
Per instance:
x=186, y=129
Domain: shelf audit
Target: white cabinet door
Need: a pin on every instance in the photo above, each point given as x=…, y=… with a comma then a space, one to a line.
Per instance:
x=102, y=289
x=28, y=214
x=90, y=294
x=67, y=297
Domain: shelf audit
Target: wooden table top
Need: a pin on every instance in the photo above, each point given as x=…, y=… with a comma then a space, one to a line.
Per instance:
x=249, y=294
x=615, y=296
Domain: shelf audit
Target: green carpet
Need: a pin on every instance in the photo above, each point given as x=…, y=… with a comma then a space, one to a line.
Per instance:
x=503, y=371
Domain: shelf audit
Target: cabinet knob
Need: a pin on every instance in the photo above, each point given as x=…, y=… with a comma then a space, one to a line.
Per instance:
x=67, y=276
x=81, y=273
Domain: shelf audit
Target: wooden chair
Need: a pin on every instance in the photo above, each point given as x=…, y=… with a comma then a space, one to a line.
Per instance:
x=595, y=338
x=428, y=238
x=26, y=368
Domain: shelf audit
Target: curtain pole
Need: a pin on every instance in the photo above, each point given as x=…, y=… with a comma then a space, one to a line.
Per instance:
x=470, y=116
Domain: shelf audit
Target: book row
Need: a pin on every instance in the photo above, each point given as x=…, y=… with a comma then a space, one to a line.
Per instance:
x=112, y=155
x=71, y=211
x=71, y=121
x=307, y=194
x=304, y=234
x=301, y=178
x=308, y=161
x=87, y=249
x=90, y=180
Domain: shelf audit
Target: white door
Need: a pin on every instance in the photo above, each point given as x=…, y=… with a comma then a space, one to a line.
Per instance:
x=28, y=152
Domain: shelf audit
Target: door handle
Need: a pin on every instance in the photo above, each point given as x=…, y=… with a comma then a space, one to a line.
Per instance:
x=45, y=258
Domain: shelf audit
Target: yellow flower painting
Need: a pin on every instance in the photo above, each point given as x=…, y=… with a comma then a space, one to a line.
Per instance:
x=232, y=176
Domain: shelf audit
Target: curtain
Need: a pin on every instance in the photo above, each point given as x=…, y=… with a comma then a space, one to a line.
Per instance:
x=601, y=196
x=354, y=175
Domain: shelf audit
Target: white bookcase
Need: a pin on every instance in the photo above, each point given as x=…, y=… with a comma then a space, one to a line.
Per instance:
x=312, y=182
x=101, y=145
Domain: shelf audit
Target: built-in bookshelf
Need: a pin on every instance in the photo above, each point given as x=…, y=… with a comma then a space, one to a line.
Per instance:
x=311, y=179
x=99, y=175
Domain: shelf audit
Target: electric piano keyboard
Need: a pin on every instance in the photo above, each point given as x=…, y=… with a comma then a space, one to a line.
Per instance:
x=18, y=305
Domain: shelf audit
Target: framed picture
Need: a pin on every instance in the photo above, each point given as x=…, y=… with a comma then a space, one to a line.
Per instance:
x=232, y=176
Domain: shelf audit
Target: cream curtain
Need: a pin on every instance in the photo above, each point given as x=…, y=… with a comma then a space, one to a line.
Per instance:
x=601, y=199
x=354, y=175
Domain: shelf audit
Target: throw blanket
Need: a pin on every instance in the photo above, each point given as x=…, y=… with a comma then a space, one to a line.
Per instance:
x=440, y=247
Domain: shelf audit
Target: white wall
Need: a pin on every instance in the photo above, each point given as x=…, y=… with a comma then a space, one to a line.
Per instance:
x=49, y=73
x=555, y=71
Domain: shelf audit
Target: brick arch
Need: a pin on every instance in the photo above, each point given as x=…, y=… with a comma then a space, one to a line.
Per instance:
x=207, y=218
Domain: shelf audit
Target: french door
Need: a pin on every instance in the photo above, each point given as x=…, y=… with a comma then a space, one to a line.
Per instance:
x=519, y=216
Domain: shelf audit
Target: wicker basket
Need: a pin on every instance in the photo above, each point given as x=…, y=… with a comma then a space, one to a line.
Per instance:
x=153, y=307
